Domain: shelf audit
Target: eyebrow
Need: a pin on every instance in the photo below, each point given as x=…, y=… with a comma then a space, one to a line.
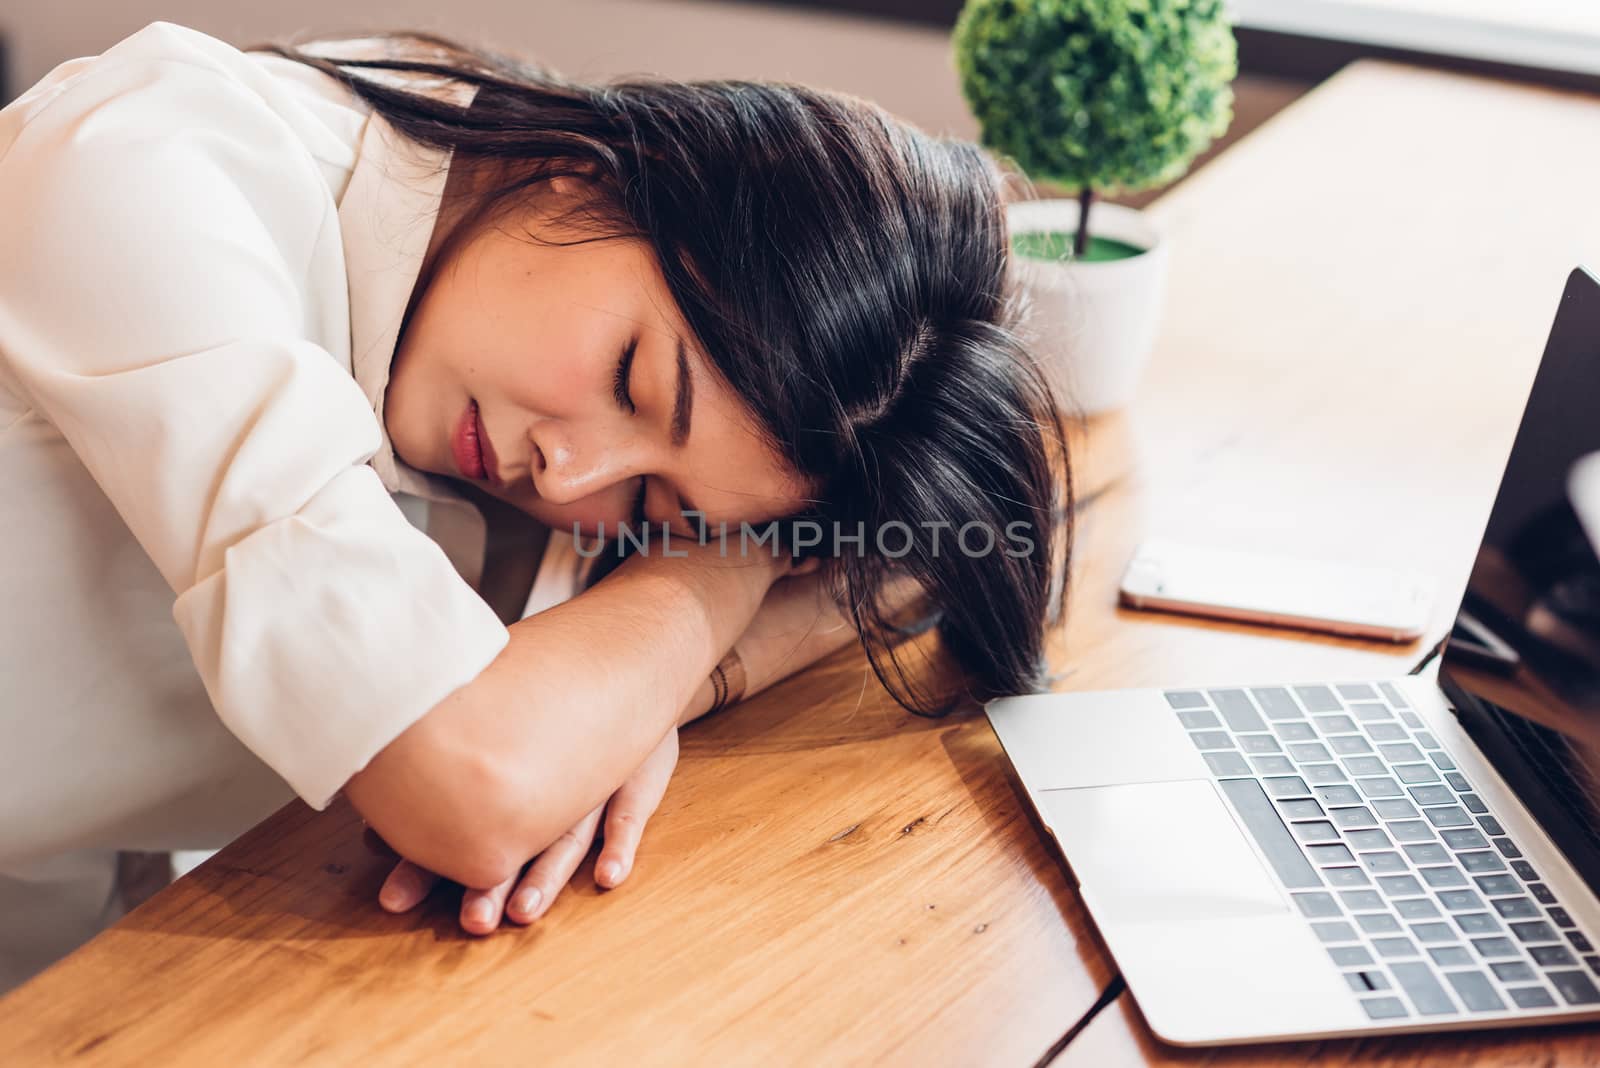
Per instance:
x=683, y=402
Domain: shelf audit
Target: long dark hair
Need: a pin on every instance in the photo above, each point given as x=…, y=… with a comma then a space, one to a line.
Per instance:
x=846, y=275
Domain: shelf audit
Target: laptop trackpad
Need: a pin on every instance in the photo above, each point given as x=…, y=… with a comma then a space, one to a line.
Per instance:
x=1161, y=851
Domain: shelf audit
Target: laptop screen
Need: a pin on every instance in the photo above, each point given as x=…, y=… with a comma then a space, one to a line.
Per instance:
x=1522, y=664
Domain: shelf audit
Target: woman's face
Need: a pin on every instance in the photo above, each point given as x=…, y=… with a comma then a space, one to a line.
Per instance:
x=564, y=380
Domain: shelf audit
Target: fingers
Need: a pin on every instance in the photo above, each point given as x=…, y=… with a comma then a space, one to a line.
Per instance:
x=630, y=808
x=550, y=872
x=481, y=909
x=406, y=887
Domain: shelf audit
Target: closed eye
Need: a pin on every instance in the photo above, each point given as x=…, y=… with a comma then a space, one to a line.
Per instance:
x=619, y=378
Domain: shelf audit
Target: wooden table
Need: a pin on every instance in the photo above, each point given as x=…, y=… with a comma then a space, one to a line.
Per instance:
x=1360, y=293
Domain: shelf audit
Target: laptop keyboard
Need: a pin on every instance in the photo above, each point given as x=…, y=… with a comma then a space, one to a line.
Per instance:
x=1417, y=892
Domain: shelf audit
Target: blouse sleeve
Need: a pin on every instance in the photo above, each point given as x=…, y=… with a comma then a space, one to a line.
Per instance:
x=160, y=226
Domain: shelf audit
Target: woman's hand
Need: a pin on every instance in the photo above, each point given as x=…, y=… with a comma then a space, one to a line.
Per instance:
x=625, y=816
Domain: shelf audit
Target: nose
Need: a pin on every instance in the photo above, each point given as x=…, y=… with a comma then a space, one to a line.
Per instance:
x=572, y=461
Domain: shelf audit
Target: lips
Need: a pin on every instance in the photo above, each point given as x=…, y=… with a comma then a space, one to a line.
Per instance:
x=466, y=444
x=491, y=462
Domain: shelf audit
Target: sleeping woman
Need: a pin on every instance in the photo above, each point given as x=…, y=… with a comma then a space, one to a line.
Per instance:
x=288, y=337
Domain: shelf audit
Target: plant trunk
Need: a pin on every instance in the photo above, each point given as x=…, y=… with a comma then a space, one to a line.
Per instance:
x=1080, y=240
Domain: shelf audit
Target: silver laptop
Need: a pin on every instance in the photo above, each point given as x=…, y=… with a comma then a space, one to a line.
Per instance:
x=1309, y=859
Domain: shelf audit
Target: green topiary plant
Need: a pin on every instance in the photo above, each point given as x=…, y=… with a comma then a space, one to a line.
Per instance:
x=1098, y=95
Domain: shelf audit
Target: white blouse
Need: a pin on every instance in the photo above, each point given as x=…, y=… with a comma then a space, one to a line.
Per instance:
x=204, y=259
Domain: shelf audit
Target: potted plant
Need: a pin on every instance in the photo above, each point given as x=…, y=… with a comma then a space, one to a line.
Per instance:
x=1098, y=96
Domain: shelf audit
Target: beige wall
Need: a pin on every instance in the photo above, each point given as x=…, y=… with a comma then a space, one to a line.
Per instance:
x=905, y=68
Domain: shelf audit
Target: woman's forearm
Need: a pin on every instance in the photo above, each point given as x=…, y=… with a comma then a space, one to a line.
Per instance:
x=579, y=697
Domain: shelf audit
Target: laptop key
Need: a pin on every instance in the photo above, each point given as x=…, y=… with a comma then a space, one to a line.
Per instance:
x=1496, y=947
x=1514, y=971
x=1309, y=751
x=1338, y=795
x=1464, y=838
x=1264, y=824
x=1534, y=931
x=1477, y=923
x=1389, y=948
x=1447, y=816
x=1302, y=808
x=1475, y=991
x=1575, y=987
x=1314, y=831
x=1384, y=1008
x=1361, y=900
x=1378, y=923
x=1418, y=981
x=1367, y=838
x=1427, y=740
x=1400, y=886
x=1432, y=795
x=1433, y=932
x=1350, y=956
x=1330, y=855
x=1318, y=698
x=1395, y=808
x=1498, y=886
x=1355, y=691
x=1531, y=997
x=1352, y=818
x=1316, y=905
x=1186, y=699
x=1369, y=712
x=1334, y=724
x=1276, y=702
x=1211, y=739
x=1441, y=759
x=1442, y=877
x=1414, y=773
x=1516, y=908
x=1281, y=786
x=1525, y=870
x=1491, y=825
x=1227, y=764
x=1412, y=720
x=1198, y=718
x=1416, y=908
x=1458, y=782
x=1552, y=956
x=1380, y=787
x=1562, y=917
x=1322, y=774
x=1295, y=730
x=1335, y=931
x=1366, y=981
x=1427, y=853
x=1238, y=710
x=1481, y=862
x=1349, y=744
x=1541, y=893
x=1400, y=752
x=1386, y=732
x=1365, y=765
x=1345, y=876
x=1383, y=863
x=1273, y=765
x=1411, y=831
x=1259, y=743
x=1593, y=963
x=1392, y=692
x=1451, y=956
x=1474, y=804
x=1461, y=900
x=1507, y=847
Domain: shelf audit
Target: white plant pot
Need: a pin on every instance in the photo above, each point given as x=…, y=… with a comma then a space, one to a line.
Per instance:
x=1092, y=325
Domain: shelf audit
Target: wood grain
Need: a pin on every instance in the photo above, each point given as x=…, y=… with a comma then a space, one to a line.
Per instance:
x=1360, y=293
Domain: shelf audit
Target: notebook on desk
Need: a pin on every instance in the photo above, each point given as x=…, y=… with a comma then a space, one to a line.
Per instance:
x=1319, y=858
